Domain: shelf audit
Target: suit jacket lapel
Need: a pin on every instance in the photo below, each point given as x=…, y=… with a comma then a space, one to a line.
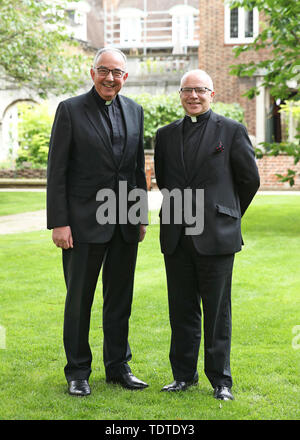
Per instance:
x=125, y=109
x=93, y=114
x=209, y=141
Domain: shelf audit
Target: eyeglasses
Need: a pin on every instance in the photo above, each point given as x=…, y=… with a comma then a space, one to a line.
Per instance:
x=104, y=71
x=198, y=90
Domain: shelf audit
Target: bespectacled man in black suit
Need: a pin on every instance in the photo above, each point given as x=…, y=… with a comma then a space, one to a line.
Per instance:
x=213, y=154
x=96, y=143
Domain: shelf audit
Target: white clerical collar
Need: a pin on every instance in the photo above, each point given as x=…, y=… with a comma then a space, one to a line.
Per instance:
x=194, y=118
x=108, y=102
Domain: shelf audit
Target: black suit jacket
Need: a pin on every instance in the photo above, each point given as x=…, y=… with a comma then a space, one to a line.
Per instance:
x=225, y=168
x=81, y=162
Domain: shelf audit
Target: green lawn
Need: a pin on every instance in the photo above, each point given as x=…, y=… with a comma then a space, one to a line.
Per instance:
x=15, y=202
x=265, y=305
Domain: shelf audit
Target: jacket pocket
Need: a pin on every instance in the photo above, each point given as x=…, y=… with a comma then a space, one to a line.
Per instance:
x=232, y=212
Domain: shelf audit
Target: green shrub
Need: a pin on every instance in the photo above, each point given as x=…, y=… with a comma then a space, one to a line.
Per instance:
x=160, y=110
x=34, y=129
x=35, y=124
x=232, y=111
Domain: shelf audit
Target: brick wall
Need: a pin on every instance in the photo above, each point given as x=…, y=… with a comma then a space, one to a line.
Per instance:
x=26, y=173
x=268, y=167
x=215, y=57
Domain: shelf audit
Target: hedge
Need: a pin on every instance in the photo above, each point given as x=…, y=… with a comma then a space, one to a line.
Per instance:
x=35, y=124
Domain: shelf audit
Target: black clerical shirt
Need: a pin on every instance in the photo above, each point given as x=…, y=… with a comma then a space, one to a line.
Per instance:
x=113, y=120
x=192, y=136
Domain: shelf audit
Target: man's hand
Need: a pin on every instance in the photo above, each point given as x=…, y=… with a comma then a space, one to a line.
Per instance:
x=62, y=237
x=142, y=232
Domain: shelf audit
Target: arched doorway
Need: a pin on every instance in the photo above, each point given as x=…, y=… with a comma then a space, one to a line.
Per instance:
x=9, y=142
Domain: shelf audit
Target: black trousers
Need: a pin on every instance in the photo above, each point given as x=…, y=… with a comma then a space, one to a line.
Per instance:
x=192, y=278
x=82, y=266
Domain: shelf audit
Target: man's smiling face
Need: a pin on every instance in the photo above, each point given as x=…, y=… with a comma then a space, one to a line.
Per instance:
x=195, y=104
x=108, y=86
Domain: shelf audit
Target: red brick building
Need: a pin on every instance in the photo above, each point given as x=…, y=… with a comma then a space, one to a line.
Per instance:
x=220, y=29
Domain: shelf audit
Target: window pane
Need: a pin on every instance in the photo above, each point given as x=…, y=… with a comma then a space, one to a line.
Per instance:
x=130, y=30
x=182, y=29
x=185, y=28
x=248, y=23
x=234, y=20
x=71, y=16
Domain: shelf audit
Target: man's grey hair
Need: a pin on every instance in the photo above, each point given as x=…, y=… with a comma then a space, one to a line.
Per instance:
x=109, y=49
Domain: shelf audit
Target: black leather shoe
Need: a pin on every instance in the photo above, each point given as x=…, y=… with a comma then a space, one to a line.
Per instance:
x=180, y=386
x=79, y=387
x=223, y=393
x=128, y=380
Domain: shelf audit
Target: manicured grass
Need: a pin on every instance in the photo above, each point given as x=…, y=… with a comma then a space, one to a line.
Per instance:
x=14, y=202
x=265, y=307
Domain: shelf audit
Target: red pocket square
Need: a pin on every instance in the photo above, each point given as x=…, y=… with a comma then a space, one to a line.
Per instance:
x=219, y=148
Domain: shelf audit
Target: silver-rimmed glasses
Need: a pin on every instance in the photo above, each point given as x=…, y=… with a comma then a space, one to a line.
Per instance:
x=198, y=90
x=104, y=71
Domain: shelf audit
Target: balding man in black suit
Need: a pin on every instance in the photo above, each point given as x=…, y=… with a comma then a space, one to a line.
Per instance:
x=209, y=152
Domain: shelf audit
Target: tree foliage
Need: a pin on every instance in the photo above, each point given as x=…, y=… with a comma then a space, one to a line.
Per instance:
x=291, y=108
x=281, y=34
x=36, y=52
x=280, y=70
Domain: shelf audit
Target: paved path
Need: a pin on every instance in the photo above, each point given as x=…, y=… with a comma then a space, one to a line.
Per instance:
x=25, y=222
x=36, y=221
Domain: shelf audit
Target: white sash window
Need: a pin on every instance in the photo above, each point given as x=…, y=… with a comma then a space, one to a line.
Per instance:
x=241, y=26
